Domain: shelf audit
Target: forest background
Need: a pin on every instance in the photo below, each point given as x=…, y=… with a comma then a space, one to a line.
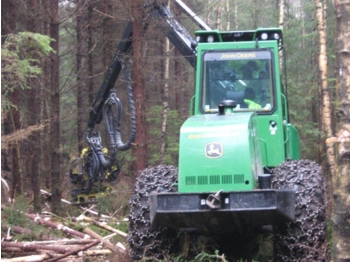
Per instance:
x=55, y=54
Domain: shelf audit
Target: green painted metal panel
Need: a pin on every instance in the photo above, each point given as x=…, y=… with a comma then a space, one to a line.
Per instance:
x=293, y=143
x=271, y=139
x=216, y=153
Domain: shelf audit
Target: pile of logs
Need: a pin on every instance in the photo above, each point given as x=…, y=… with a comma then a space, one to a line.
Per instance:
x=76, y=246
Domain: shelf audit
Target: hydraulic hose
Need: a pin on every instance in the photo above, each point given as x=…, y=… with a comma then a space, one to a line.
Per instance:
x=112, y=111
x=98, y=158
x=94, y=161
x=112, y=121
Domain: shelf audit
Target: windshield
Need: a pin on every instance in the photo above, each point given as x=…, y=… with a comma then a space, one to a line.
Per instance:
x=242, y=76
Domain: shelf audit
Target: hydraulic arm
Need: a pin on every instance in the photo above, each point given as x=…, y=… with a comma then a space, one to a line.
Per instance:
x=98, y=163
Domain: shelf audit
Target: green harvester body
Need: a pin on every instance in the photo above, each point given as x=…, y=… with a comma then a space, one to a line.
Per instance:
x=231, y=142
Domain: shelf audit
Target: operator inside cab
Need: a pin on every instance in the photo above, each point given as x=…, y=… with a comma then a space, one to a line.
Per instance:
x=242, y=76
x=249, y=97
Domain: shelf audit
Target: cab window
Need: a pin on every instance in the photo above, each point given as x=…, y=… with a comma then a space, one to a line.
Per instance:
x=242, y=76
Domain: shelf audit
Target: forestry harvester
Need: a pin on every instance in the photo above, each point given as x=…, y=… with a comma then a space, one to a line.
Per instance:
x=239, y=164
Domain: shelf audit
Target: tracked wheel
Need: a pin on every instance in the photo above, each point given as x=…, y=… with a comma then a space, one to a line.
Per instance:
x=305, y=239
x=145, y=243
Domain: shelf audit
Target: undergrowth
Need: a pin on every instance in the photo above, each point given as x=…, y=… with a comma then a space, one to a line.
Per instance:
x=14, y=215
x=199, y=249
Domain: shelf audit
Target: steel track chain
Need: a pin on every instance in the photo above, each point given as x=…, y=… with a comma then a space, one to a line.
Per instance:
x=305, y=239
x=144, y=243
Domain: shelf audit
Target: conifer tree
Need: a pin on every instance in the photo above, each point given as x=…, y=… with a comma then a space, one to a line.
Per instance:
x=139, y=84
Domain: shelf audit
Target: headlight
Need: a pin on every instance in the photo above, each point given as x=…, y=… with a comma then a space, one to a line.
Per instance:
x=210, y=39
x=264, y=36
x=276, y=36
x=198, y=38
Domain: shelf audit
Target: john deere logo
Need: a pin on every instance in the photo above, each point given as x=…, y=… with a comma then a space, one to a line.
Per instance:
x=213, y=150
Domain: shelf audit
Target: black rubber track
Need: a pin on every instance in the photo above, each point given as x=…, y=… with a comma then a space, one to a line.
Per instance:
x=146, y=244
x=305, y=239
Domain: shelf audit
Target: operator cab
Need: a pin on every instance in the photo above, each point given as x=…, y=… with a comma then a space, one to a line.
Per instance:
x=244, y=76
x=238, y=73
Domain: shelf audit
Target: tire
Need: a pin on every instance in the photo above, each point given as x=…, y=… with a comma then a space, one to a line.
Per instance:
x=147, y=244
x=305, y=239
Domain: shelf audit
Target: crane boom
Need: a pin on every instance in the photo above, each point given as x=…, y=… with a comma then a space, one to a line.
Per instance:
x=100, y=163
x=173, y=30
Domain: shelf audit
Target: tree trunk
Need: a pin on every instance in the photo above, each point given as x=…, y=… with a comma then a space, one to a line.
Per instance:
x=281, y=14
x=17, y=185
x=228, y=16
x=33, y=143
x=235, y=13
x=14, y=114
x=341, y=178
x=178, y=73
x=218, y=15
x=5, y=121
x=281, y=24
x=208, y=9
x=80, y=84
x=90, y=60
x=139, y=85
x=165, y=101
x=55, y=111
x=8, y=18
x=106, y=34
x=256, y=13
x=323, y=84
x=45, y=112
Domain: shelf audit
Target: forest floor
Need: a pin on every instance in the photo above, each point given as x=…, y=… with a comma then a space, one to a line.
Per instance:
x=92, y=232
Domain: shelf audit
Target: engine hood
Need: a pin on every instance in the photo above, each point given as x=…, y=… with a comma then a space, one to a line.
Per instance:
x=217, y=152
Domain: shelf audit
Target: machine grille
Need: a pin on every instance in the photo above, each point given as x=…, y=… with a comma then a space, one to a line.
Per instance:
x=238, y=179
x=227, y=179
x=214, y=179
x=190, y=180
x=202, y=180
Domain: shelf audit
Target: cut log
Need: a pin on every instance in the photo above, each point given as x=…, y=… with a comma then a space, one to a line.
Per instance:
x=6, y=253
x=105, y=242
x=61, y=227
x=64, y=242
x=73, y=252
x=100, y=252
x=27, y=246
x=19, y=230
x=25, y=231
x=94, y=212
x=10, y=249
x=121, y=247
x=31, y=258
x=110, y=236
x=101, y=225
